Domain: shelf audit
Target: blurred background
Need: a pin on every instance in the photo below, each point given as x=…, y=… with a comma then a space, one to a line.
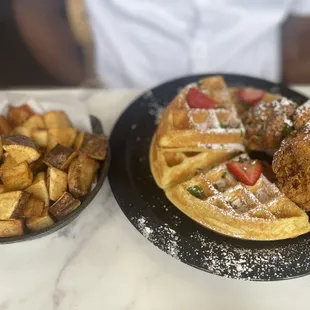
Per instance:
x=32, y=56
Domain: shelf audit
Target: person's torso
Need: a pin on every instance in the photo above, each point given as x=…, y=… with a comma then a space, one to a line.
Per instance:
x=141, y=43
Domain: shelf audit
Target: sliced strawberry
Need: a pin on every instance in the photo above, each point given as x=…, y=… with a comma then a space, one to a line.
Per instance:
x=198, y=100
x=247, y=172
x=250, y=95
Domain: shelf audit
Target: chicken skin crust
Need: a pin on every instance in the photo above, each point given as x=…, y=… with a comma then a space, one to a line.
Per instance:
x=291, y=164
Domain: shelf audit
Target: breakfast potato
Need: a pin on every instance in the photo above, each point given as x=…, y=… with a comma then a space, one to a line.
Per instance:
x=11, y=228
x=59, y=157
x=33, y=207
x=39, y=189
x=20, y=130
x=38, y=223
x=9, y=161
x=56, y=181
x=81, y=174
x=2, y=189
x=34, y=122
x=18, y=115
x=56, y=119
x=64, y=205
x=12, y=204
x=1, y=149
x=40, y=137
x=38, y=166
x=63, y=136
x=17, y=177
x=92, y=145
x=5, y=127
x=21, y=148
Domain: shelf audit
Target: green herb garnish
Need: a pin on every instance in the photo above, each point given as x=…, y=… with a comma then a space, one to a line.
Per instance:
x=287, y=130
x=216, y=187
x=200, y=84
x=224, y=175
x=196, y=191
x=224, y=125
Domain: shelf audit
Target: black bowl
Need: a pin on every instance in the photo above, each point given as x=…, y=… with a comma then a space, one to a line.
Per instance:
x=152, y=214
x=102, y=173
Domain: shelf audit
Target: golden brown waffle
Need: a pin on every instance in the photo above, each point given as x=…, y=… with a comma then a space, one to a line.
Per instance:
x=172, y=166
x=182, y=126
x=258, y=212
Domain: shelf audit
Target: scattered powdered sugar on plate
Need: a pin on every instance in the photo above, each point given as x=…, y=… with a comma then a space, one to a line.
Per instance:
x=154, y=108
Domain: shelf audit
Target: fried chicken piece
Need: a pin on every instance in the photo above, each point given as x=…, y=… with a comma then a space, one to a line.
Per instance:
x=302, y=115
x=291, y=164
x=268, y=123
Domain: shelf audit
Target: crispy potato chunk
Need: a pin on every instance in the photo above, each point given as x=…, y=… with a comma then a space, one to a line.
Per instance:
x=11, y=228
x=34, y=122
x=18, y=115
x=12, y=204
x=56, y=181
x=5, y=127
x=81, y=174
x=2, y=189
x=92, y=145
x=21, y=148
x=39, y=189
x=40, y=137
x=60, y=157
x=17, y=177
x=20, y=130
x=64, y=205
x=34, y=207
x=40, y=222
x=63, y=136
x=56, y=119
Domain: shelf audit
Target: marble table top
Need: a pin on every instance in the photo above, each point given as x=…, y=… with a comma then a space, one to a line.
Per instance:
x=101, y=262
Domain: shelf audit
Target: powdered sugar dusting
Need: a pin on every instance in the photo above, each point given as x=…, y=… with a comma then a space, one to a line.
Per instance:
x=154, y=107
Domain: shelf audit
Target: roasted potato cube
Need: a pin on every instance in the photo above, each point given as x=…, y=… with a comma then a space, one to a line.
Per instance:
x=41, y=222
x=1, y=149
x=11, y=228
x=92, y=145
x=82, y=172
x=56, y=181
x=38, y=166
x=12, y=204
x=34, y=122
x=9, y=161
x=21, y=148
x=39, y=189
x=40, y=137
x=2, y=189
x=20, y=130
x=17, y=177
x=64, y=205
x=60, y=157
x=33, y=207
x=63, y=136
x=5, y=127
x=56, y=119
x=18, y=115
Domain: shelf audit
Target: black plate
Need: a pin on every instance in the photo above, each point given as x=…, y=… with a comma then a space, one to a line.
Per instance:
x=102, y=173
x=147, y=208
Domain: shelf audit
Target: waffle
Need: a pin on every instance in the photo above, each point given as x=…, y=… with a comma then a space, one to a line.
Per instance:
x=258, y=212
x=182, y=127
x=172, y=166
x=191, y=147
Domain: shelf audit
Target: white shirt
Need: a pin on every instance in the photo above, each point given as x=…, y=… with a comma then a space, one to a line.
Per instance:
x=140, y=43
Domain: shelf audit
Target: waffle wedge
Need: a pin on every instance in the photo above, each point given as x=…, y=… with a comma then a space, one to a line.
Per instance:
x=182, y=126
x=259, y=212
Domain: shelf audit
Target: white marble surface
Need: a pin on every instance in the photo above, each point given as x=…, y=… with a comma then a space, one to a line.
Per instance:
x=101, y=262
